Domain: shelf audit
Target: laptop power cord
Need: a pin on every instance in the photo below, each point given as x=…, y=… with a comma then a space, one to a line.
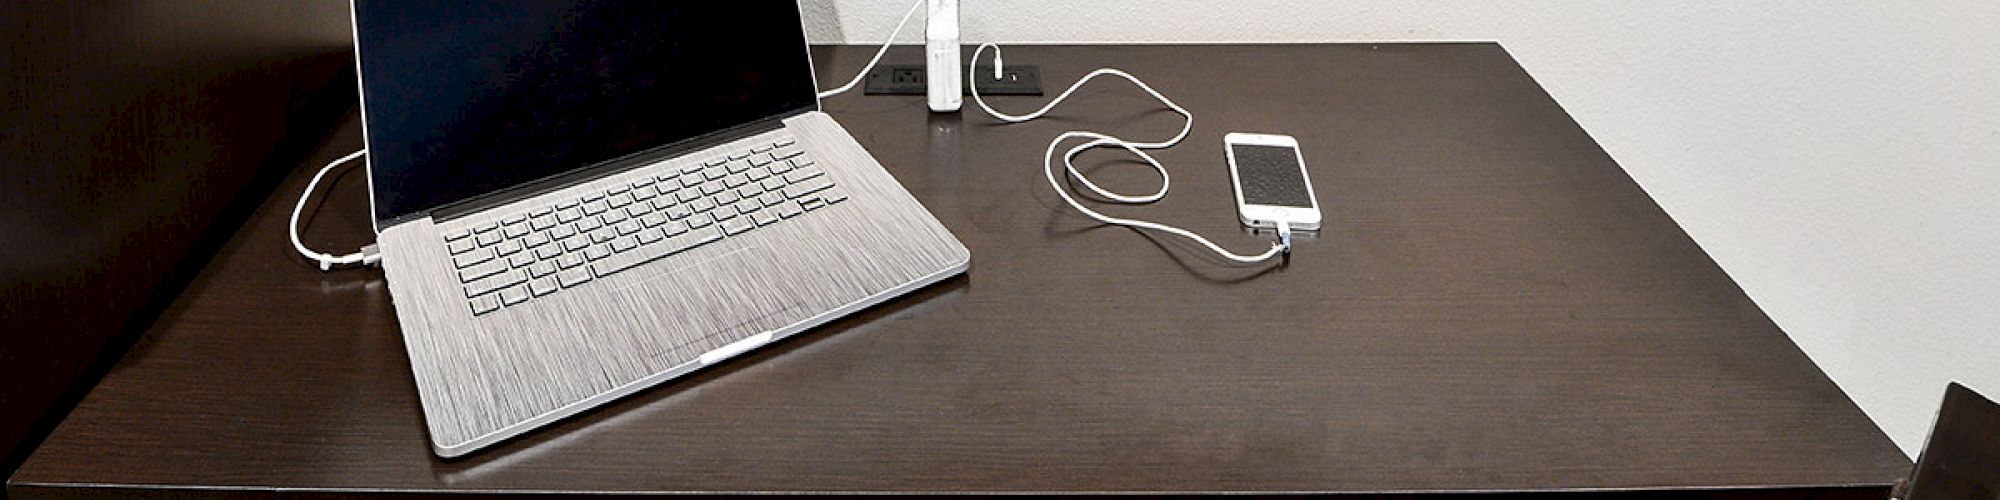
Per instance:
x=368, y=255
x=863, y=75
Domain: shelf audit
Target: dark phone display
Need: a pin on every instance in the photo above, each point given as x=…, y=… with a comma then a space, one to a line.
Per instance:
x=1271, y=175
x=468, y=98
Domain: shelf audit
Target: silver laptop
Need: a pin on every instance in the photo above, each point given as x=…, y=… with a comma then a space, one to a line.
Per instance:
x=579, y=199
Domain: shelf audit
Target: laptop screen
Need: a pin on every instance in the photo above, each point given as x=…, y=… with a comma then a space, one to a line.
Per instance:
x=462, y=99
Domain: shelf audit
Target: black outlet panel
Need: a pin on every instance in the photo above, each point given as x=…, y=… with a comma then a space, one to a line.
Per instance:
x=909, y=79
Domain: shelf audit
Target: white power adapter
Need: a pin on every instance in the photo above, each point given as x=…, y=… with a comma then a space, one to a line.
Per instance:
x=943, y=85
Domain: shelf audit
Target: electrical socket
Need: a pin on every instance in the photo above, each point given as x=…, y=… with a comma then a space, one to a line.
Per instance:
x=909, y=79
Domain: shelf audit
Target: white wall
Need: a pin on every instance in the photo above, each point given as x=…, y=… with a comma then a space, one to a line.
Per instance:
x=1841, y=160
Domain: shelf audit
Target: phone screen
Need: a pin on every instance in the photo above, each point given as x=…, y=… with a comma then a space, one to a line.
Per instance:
x=1271, y=175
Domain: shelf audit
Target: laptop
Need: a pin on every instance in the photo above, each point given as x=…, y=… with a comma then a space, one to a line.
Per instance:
x=579, y=199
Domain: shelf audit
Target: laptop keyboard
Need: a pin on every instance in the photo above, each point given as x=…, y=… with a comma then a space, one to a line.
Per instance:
x=569, y=243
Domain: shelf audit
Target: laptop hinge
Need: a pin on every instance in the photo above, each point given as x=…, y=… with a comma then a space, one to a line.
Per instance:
x=573, y=177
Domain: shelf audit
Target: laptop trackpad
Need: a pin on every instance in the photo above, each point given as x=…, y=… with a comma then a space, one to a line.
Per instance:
x=688, y=308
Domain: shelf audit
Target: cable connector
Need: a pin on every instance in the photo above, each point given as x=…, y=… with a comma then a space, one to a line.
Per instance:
x=369, y=255
x=1285, y=236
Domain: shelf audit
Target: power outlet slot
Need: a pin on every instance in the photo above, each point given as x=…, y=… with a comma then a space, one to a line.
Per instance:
x=909, y=79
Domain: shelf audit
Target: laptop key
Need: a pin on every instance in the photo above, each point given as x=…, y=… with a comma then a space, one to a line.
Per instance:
x=461, y=245
x=569, y=260
x=535, y=240
x=833, y=196
x=540, y=269
x=764, y=217
x=738, y=225
x=678, y=212
x=785, y=142
x=514, y=295
x=473, y=257
x=699, y=221
x=488, y=238
x=595, y=207
x=508, y=247
x=747, y=206
x=771, y=198
x=488, y=284
x=569, y=215
x=596, y=253
x=520, y=260
x=789, y=210
x=800, y=175
x=572, y=277
x=563, y=231
x=543, y=286
x=723, y=212
x=649, y=236
x=807, y=187
x=701, y=205
x=811, y=203
x=653, y=220
x=484, y=304
x=458, y=235
x=725, y=197
x=481, y=270
x=758, y=174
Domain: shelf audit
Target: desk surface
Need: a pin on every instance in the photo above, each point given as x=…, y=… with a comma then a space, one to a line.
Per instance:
x=1493, y=305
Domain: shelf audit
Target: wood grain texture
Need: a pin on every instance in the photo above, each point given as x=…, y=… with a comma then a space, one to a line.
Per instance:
x=1494, y=305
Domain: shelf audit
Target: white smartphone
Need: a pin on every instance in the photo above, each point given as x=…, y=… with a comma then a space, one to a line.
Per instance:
x=1271, y=181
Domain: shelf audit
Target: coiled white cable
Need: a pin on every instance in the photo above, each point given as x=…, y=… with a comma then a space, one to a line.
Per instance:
x=878, y=54
x=1104, y=140
x=367, y=255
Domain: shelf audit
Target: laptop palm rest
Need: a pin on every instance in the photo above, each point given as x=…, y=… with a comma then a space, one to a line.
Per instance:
x=688, y=312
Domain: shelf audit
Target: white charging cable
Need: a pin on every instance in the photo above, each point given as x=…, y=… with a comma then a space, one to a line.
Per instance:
x=878, y=54
x=1102, y=140
x=368, y=254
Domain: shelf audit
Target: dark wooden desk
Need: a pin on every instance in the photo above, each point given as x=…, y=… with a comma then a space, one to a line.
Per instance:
x=1493, y=306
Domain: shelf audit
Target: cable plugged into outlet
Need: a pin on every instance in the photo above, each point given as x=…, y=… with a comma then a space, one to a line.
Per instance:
x=911, y=79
